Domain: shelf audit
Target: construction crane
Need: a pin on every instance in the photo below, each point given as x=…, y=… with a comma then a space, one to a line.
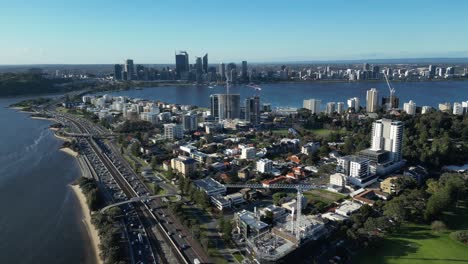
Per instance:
x=391, y=90
x=300, y=188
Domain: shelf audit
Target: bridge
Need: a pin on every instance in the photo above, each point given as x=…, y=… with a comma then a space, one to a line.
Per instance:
x=141, y=198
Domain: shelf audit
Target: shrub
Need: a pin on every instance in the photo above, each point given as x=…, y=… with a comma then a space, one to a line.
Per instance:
x=438, y=226
x=461, y=235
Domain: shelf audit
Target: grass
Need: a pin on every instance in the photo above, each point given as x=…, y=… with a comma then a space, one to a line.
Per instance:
x=321, y=132
x=419, y=244
x=281, y=132
x=238, y=257
x=323, y=196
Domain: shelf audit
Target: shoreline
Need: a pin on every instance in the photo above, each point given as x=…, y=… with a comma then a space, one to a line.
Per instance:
x=90, y=228
x=69, y=151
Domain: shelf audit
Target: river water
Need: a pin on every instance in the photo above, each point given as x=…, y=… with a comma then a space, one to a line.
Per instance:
x=40, y=219
x=293, y=94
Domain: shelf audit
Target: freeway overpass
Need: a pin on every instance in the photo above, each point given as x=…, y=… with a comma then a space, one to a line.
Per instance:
x=139, y=199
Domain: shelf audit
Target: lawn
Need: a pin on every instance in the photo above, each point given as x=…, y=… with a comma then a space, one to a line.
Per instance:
x=323, y=196
x=281, y=132
x=418, y=244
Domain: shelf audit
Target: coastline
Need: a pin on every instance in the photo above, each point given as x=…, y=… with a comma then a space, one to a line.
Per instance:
x=90, y=228
x=69, y=151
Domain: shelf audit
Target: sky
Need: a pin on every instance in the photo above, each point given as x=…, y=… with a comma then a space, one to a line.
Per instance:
x=150, y=31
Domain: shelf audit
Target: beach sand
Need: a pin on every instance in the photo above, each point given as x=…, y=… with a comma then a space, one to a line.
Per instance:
x=69, y=151
x=92, y=231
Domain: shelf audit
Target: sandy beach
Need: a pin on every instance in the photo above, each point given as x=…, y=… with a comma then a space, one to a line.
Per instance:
x=92, y=231
x=69, y=151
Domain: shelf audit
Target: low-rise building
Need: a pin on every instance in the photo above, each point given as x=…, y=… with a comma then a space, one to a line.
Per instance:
x=347, y=208
x=248, y=224
x=390, y=185
x=184, y=165
x=210, y=186
x=264, y=166
x=310, y=148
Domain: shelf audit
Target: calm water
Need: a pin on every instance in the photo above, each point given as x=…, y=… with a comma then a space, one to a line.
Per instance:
x=40, y=219
x=292, y=94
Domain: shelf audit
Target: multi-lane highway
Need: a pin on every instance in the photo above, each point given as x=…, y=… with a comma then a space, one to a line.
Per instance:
x=160, y=225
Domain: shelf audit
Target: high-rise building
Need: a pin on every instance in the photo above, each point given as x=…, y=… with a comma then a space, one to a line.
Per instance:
x=182, y=62
x=457, y=109
x=252, y=110
x=198, y=65
x=410, y=107
x=129, y=69
x=388, y=135
x=372, y=100
x=244, y=71
x=313, y=105
x=425, y=109
x=394, y=104
x=432, y=71
x=340, y=107
x=354, y=103
x=353, y=166
x=225, y=106
x=190, y=122
x=231, y=72
x=173, y=131
x=205, y=63
x=365, y=67
x=117, y=72
x=330, y=108
x=222, y=70
x=264, y=166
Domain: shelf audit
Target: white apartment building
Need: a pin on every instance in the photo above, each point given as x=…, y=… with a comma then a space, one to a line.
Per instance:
x=173, y=131
x=410, y=107
x=388, y=135
x=313, y=105
x=264, y=166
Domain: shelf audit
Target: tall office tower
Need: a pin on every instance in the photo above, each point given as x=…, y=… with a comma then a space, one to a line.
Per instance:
x=205, y=63
x=388, y=135
x=182, y=62
x=389, y=72
x=372, y=100
x=244, y=71
x=225, y=106
x=339, y=107
x=190, y=121
x=222, y=70
x=330, y=108
x=231, y=71
x=252, y=110
x=432, y=71
x=354, y=103
x=394, y=104
x=313, y=105
x=375, y=72
x=117, y=72
x=410, y=107
x=450, y=70
x=198, y=67
x=129, y=69
x=365, y=67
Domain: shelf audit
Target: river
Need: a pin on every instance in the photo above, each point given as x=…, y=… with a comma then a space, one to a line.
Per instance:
x=293, y=94
x=40, y=219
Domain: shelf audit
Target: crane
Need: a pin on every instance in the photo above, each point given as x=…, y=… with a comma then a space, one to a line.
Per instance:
x=392, y=92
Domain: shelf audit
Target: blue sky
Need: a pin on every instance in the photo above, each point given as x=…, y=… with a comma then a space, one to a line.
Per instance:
x=149, y=31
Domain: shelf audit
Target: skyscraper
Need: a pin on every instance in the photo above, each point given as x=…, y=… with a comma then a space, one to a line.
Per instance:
x=225, y=106
x=117, y=72
x=394, y=104
x=129, y=69
x=372, y=100
x=244, y=74
x=222, y=70
x=205, y=63
x=182, y=62
x=339, y=107
x=252, y=110
x=354, y=103
x=330, y=108
x=388, y=135
x=313, y=105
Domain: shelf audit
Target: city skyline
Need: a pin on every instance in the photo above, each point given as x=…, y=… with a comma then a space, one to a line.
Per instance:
x=150, y=33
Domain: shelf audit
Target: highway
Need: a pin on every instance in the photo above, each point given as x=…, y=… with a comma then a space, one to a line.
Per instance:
x=154, y=215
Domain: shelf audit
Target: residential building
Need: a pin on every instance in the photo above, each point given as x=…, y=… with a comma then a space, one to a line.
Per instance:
x=252, y=110
x=310, y=148
x=190, y=121
x=457, y=109
x=340, y=107
x=445, y=107
x=425, y=109
x=264, y=166
x=330, y=109
x=184, y=165
x=313, y=105
x=410, y=107
x=225, y=106
x=372, y=100
x=248, y=153
x=388, y=135
x=390, y=185
x=338, y=179
x=173, y=131
x=248, y=224
x=353, y=103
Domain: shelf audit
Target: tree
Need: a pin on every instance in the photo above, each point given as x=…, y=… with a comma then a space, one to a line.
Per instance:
x=277, y=197
x=135, y=148
x=438, y=226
